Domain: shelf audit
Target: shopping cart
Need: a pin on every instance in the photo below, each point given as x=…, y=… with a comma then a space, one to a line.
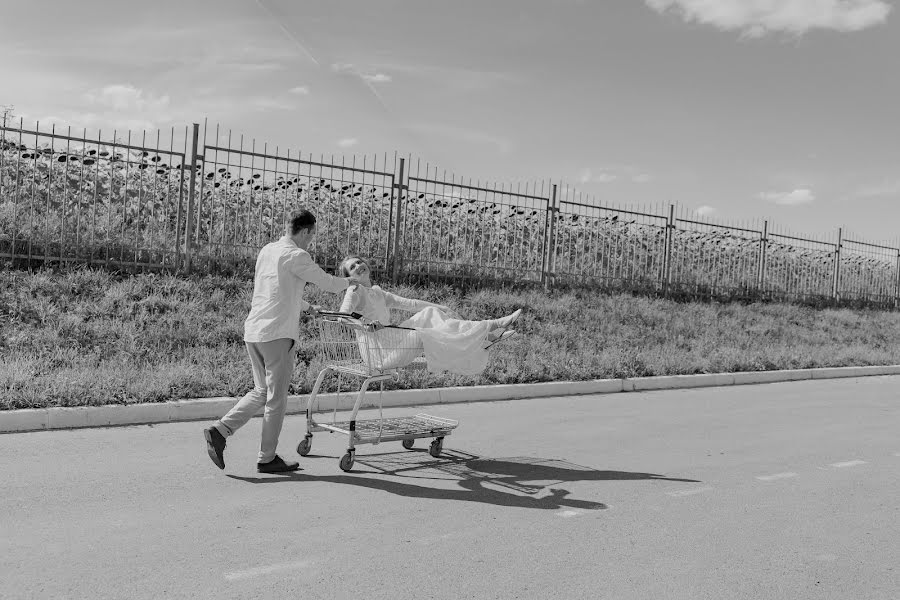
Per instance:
x=354, y=348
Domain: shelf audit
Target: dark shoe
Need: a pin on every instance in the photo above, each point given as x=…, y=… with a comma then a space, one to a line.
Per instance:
x=277, y=465
x=215, y=446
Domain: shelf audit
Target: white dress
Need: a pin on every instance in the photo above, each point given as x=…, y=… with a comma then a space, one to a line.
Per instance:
x=453, y=345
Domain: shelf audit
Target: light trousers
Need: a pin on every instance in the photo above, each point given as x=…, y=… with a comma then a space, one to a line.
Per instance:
x=273, y=365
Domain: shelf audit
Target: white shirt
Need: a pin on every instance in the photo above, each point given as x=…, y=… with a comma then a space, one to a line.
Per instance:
x=282, y=271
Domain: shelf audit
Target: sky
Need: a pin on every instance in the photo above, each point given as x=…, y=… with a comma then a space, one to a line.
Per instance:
x=735, y=110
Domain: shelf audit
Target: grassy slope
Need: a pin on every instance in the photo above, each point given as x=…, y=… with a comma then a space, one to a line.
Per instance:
x=88, y=337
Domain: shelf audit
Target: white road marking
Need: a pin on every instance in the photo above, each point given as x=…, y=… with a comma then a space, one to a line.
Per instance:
x=568, y=513
x=265, y=570
x=681, y=493
x=776, y=476
x=849, y=463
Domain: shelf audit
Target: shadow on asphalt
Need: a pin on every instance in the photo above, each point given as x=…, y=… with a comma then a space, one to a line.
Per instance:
x=520, y=479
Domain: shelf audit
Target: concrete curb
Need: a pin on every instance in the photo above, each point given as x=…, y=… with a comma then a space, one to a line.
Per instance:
x=14, y=421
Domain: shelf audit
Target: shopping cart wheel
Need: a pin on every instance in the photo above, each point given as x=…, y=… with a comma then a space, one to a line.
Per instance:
x=347, y=462
x=436, y=446
x=408, y=443
x=304, y=446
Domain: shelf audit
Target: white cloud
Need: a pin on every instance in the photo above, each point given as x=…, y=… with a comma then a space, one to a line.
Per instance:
x=798, y=196
x=300, y=90
x=362, y=74
x=466, y=136
x=343, y=68
x=756, y=18
x=265, y=103
x=125, y=97
x=705, y=210
x=347, y=142
x=587, y=176
x=456, y=78
x=377, y=78
x=614, y=172
x=114, y=107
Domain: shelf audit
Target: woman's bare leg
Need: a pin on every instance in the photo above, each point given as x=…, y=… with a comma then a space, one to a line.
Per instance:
x=505, y=321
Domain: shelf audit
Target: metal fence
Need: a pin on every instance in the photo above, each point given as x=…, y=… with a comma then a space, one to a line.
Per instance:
x=180, y=200
x=466, y=230
x=246, y=194
x=70, y=198
x=612, y=246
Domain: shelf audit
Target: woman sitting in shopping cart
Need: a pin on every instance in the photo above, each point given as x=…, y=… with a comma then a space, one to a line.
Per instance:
x=447, y=342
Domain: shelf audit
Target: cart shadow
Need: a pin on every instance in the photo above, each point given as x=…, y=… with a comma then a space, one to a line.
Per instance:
x=513, y=482
x=496, y=470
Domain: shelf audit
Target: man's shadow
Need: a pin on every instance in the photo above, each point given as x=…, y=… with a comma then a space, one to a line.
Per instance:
x=514, y=482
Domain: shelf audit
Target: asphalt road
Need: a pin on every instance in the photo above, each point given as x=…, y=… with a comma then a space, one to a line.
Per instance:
x=788, y=490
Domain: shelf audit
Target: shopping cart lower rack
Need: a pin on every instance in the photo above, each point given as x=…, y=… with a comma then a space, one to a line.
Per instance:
x=351, y=347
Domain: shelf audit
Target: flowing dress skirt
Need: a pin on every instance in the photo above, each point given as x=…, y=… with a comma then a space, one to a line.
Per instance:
x=453, y=345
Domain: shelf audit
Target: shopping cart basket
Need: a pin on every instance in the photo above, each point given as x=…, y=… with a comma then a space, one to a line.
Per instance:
x=354, y=348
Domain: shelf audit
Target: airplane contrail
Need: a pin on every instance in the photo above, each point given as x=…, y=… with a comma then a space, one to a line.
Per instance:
x=354, y=72
x=290, y=35
x=309, y=55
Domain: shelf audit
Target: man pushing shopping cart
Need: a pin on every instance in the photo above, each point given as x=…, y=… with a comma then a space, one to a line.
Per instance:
x=359, y=342
x=271, y=334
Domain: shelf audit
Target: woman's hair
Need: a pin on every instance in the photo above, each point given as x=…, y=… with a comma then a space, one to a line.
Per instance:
x=300, y=220
x=342, y=268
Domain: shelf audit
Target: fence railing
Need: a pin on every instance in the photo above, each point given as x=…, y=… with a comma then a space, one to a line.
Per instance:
x=246, y=195
x=69, y=198
x=183, y=201
x=457, y=228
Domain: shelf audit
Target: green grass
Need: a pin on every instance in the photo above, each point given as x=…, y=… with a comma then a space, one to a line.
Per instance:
x=89, y=337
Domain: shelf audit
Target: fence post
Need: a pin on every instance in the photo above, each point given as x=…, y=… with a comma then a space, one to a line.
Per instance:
x=198, y=197
x=549, y=241
x=837, y=267
x=667, y=252
x=545, y=247
x=189, y=219
x=399, y=186
x=897, y=282
x=763, y=242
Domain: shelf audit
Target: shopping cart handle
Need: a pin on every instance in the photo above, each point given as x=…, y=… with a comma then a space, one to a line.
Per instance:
x=358, y=317
x=330, y=313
